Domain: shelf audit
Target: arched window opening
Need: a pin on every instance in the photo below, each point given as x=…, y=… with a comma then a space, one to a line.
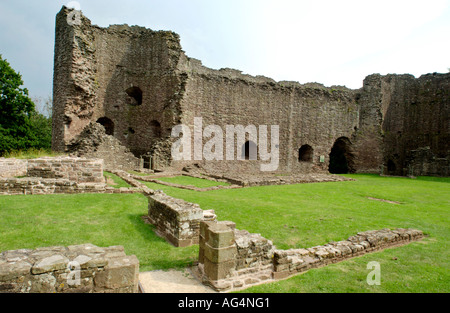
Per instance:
x=306, y=153
x=108, y=124
x=155, y=128
x=136, y=95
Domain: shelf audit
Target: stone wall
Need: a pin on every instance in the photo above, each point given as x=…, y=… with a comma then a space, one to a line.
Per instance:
x=404, y=124
x=309, y=114
x=233, y=259
x=12, y=168
x=121, y=75
x=74, y=269
x=176, y=220
x=45, y=186
x=79, y=170
x=230, y=259
x=291, y=262
x=139, y=84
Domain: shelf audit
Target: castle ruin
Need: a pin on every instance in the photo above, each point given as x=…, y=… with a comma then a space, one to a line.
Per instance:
x=139, y=84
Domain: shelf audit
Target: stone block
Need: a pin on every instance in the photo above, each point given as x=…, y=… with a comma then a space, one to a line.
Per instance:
x=217, y=271
x=50, y=264
x=119, y=273
x=219, y=255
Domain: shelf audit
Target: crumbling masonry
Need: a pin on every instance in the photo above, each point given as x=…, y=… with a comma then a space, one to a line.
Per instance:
x=138, y=84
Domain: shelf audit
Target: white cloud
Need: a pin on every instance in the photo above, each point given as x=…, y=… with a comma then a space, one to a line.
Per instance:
x=328, y=41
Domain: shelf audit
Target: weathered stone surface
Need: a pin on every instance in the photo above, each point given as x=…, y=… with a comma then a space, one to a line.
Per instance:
x=78, y=170
x=50, y=264
x=83, y=268
x=176, y=220
x=120, y=272
x=139, y=94
x=10, y=168
x=252, y=259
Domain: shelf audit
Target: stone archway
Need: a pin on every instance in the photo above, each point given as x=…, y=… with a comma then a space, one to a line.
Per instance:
x=341, y=157
x=108, y=124
x=305, y=153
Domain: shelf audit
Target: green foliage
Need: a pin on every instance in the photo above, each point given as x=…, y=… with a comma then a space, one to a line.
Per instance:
x=21, y=127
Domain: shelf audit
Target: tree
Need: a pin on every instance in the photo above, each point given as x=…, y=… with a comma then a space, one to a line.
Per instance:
x=21, y=127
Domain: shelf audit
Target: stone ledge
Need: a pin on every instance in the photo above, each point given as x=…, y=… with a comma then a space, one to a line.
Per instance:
x=240, y=260
x=52, y=269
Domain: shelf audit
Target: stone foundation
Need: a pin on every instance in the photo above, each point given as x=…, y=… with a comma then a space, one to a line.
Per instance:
x=176, y=220
x=233, y=259
x=12, y=168
x=61, y=175
x=74, y=269
x=291, y=262
x=78, y=170
x=230, y=259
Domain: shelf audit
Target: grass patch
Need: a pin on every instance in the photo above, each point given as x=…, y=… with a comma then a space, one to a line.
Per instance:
x=32, y=154
x=103, y=220
x=115, y=181
x=292, y=216
x=192, y=181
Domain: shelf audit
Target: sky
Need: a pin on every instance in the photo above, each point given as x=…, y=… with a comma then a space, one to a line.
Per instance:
x=325, y=41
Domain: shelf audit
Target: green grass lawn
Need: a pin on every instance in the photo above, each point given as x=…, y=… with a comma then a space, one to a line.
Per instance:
x=103, y=220
x=192, y=181
x=292, y=216
x=115, y=181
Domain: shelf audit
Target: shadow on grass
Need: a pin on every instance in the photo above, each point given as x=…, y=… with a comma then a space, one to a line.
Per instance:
x=155, y=253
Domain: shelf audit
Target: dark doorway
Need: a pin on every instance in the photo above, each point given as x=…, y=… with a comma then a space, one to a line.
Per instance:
x=391, y=167
x=250, y=151
x=305, y=153
x=155, y=129
x=147, y=161
x=108, y=124
x=341, y=157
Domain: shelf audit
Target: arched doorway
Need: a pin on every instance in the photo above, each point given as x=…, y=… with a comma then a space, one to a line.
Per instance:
x=250, y=151
x=108, y=124
x=341, y=157
x=305, y=153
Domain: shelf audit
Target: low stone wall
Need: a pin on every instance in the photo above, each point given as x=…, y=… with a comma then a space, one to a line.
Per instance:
x=291, y=262
x=268, y=180
x=176, y=220
x=42, y=186
x=74, y=269
x=230, y=259
x=78, y=170
x=233, y=259
x=12, y=168
x=48, y=186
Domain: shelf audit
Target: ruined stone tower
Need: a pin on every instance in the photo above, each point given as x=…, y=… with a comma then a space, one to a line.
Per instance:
x=139, y=84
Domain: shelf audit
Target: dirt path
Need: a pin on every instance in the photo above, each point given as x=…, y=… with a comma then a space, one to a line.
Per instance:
x=172, y=281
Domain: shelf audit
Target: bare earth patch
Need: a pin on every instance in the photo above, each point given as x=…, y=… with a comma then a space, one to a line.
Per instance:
x=172, y=281
x=383, y=200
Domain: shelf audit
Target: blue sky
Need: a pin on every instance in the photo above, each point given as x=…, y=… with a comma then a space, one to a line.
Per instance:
x=326, y=41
